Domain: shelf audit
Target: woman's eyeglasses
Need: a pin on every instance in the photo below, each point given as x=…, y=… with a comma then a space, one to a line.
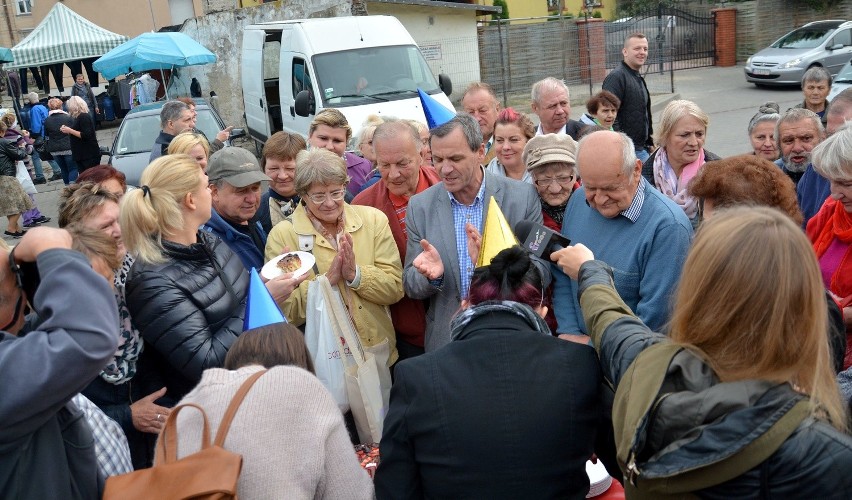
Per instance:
x=319, y=198
x=564, y=181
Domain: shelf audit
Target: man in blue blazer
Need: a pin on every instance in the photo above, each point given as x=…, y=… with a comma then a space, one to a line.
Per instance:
x=443, y=220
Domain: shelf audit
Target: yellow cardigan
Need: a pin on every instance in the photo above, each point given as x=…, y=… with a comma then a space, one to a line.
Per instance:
x=377, y=258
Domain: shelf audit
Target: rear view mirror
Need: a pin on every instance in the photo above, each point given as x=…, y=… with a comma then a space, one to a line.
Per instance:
x=445, y=84
x=836, y=46
x=304, y=105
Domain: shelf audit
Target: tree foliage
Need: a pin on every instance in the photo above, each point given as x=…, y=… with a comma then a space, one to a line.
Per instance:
x=503, y=15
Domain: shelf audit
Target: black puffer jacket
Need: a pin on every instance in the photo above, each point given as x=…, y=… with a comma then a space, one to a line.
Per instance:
x=56, y=140
x=697, y=421
x=10, y=154
x=189, y=310
x=634, y=116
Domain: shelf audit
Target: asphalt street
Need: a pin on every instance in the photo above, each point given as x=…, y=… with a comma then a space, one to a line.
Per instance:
x=721, y=92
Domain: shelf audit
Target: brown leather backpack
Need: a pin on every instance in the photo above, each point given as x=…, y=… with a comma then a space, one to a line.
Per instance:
x=211, y=473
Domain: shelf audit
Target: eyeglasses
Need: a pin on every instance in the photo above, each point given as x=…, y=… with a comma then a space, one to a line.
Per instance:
x=564, y=181
x=320, y=198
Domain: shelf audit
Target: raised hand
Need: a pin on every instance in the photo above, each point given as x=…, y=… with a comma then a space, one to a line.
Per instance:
x=429, y=262
x=474, y=242
x=148, y=416
x=570, y=259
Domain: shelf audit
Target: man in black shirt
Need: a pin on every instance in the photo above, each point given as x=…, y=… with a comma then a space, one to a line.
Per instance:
x=634, y=116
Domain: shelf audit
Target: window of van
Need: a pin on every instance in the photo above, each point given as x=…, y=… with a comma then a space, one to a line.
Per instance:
x=301, y=76
x=843, y=37
x=374, y=74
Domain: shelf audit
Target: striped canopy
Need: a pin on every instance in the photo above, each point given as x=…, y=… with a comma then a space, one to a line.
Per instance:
x=63, y=36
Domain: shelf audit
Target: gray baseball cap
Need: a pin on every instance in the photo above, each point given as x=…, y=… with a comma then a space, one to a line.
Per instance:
x=236, y=166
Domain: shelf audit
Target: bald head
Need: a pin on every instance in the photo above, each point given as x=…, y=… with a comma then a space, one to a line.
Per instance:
x=610, y=171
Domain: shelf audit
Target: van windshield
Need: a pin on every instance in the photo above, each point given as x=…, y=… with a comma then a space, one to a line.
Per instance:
x=374, y=74
x=803, y=39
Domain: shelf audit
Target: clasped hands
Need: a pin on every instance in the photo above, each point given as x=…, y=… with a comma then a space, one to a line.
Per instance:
x=343, y=265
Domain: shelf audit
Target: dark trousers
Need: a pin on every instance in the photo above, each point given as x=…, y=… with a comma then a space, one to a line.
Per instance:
x=407, y=350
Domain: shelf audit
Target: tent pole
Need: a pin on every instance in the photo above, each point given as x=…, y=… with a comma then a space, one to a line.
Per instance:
x=165, y=87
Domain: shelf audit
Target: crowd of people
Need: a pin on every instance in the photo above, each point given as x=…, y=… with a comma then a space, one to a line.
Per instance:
x=693, y=337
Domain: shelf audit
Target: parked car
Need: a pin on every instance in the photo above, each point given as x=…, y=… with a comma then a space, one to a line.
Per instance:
x=820, y=43
x=132, y=145
x=842, y=81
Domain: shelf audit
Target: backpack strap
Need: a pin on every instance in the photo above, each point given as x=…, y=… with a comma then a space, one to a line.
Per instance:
x=225, y=425
x=752, y=455
x=167, y=444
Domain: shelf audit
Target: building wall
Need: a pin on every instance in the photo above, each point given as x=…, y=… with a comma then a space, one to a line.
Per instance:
x=447, y=37
x=221, y=32
x=525, y=8
x=605, y=7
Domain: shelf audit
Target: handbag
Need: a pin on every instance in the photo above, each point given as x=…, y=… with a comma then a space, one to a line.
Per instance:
x=366, y=374
x=40, y=146
x=323, y=345
x=211, y=473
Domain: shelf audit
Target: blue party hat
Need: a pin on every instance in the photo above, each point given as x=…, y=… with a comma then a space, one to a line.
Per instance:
x=261, y=309
x=436, y=113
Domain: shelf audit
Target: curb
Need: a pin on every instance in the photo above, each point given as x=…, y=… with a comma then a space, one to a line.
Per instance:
x=662, y=103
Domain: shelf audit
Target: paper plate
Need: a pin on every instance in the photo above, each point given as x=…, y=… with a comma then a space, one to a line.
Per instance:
x=599, y=479
x=271, y=270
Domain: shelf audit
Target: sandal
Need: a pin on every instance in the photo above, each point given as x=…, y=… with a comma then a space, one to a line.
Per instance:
x=17, y=234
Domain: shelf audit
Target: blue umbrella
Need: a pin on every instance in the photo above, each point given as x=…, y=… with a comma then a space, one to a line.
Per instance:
x=5, y=55
x=153, y=51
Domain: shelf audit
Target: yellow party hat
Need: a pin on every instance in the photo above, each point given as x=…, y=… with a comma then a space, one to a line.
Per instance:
x=497, y=235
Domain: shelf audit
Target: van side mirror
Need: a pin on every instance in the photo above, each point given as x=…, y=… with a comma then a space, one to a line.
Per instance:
x=305, y=105
x=836, y=46
x=445, y=84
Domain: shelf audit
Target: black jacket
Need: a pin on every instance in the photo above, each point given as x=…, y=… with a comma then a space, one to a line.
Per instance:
x=56, y=140
x=697, y=421
x=85, y=149
x=10, y=154
x=501, y=412
x=634, y=116
x=189, y=310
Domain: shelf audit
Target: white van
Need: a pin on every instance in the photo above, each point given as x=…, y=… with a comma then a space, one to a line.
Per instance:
x=361, y=65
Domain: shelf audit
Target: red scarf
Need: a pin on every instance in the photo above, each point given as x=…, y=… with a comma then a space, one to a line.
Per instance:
x=833, y=221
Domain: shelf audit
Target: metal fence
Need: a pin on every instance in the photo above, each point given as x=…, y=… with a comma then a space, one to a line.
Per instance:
x=515, y=53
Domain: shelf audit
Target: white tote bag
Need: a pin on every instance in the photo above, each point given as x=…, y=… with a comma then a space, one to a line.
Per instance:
x=323, y=344
x=368, y=377
x=24, y=178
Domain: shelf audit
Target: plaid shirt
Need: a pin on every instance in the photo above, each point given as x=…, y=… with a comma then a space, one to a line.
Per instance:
x=111, y=447
x=462, y=214
x=635, y=207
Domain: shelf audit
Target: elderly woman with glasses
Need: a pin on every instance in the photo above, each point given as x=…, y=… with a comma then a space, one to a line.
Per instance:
x=352, y=244
x=550, y=159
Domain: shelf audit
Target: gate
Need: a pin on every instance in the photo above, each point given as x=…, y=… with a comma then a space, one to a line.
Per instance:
x=677, y=39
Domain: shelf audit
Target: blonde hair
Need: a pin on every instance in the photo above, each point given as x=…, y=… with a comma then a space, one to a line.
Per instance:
x=9, y=119
x=94, y=243
x=673, y=113
x=186, y=140
x=333, y=118
x=368, y=128
x=752, y=301
x=76, y=105
x=79, y=201
x=154, y=209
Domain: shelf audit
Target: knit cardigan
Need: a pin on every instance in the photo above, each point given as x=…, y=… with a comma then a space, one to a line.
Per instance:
x=288, y=429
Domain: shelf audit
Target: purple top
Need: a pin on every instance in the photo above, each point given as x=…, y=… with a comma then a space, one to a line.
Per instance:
x=830, y=260
x=359, y=171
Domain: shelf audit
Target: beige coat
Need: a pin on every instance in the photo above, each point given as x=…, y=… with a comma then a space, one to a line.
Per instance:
x=377, y=258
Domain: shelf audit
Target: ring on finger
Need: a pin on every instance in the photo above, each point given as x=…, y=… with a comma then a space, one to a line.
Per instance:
x=158, y=417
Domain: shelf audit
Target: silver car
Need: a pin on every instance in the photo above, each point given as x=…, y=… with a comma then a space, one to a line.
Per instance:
x=820, y=43
x=842, y=81
x=135, y=138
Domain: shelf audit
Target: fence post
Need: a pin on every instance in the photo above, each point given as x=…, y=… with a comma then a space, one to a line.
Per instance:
x=726, y=36
x=502, y=62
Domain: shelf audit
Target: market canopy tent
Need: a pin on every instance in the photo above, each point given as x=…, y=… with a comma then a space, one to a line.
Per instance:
x=164, y=50
x=62, y=36
x=5, y=55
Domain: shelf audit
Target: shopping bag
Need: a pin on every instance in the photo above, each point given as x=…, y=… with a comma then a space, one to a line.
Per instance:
x=324, y=345
x=24, y=178
x=367, y=377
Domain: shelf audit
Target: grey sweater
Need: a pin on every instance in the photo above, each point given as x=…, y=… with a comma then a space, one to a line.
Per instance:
x=46, y=448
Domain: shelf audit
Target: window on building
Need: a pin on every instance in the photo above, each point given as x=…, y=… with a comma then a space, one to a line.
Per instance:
x=24, y=7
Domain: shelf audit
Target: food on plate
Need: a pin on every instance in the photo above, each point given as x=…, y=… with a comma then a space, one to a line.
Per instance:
x=290, y=263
